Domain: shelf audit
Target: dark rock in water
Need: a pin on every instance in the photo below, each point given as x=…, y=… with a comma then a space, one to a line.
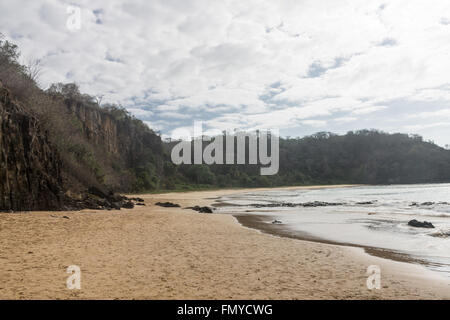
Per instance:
x=140, y=204
x=321, y=204
x=137, y=199
x=365, y=203
x=418, y=224
x=271, y=205
x=292, y=205
x=167, y=204
x=426, y=204
x=201, y=209
x=276, y=222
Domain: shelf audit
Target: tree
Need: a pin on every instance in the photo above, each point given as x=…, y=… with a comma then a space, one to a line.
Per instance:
x=34, y=69
x=9, y=52
x=68, y=90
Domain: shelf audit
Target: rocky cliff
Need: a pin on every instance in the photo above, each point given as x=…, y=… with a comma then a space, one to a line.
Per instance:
x=128, y=155
x=118, y=135
x=30, y=169
x=99, y=127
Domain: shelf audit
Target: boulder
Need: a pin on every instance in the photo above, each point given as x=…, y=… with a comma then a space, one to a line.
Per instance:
x=365, y=203
x=202, y=209
x=167, y=205
x=137, y=199
x=97, y=192
x=128, y=205
x=417, y=224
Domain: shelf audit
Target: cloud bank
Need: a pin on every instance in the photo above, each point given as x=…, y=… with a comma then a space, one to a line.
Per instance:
x=301, y=66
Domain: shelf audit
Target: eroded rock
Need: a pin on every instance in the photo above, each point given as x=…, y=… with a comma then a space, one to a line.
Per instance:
x=167, y=205
x=201, y=209
x=417, y=224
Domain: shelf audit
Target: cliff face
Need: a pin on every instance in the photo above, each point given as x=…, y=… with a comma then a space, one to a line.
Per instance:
x=129, y=155
x=99, y=127
x=117, y=137
x=30, y=175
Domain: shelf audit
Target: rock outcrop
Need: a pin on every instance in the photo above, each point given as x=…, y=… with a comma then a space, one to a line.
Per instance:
x=167, y=205
x=419, y=224
x=30, y=168
x=99, y=127
x=201, y=209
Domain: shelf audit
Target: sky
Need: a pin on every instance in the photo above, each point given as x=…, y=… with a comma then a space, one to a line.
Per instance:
x=293, y=65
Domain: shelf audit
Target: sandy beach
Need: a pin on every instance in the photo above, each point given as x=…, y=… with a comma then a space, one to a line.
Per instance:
x=152, y=252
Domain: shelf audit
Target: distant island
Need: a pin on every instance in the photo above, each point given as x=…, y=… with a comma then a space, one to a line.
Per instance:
x=57, y=144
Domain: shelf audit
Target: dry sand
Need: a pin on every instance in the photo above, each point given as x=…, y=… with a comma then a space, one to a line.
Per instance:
x=171, y=253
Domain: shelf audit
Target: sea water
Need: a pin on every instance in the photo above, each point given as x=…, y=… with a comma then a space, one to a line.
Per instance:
x=368, y=216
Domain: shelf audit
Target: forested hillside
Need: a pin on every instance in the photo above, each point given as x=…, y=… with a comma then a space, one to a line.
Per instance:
x=362, y=157
x=61, y=142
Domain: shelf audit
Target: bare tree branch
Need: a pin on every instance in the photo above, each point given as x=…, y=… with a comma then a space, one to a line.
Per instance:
x=34, y=69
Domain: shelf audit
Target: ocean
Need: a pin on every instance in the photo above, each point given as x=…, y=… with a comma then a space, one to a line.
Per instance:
x=373, y=217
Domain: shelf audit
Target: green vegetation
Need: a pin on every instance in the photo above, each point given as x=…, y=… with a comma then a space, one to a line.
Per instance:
x=103, y=145
x=361, y=157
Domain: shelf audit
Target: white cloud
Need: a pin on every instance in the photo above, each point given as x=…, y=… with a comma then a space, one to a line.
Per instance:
x=442, y=113
x=140, y=112
x=345, y=119
x=174, y=115
x=367, y=110
x=419, y=127
x=243, y=63
x=314, y=123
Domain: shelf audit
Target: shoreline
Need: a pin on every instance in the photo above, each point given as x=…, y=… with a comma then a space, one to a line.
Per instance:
x=172, y=253
x=258, y=222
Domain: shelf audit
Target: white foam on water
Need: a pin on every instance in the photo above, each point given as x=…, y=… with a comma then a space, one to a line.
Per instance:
x=383, y=223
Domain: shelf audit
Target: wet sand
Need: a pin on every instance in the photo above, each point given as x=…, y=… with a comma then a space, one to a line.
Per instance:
x=172, y=253
x=262, y=223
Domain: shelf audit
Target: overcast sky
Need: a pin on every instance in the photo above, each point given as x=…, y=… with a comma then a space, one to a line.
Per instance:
x=300, y=66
